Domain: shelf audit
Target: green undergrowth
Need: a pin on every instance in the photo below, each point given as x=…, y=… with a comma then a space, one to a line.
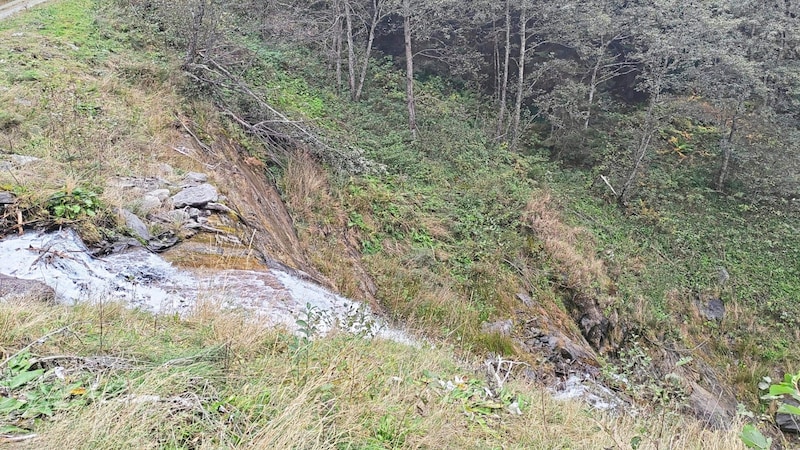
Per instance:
x=441, y=230
x=103, y=376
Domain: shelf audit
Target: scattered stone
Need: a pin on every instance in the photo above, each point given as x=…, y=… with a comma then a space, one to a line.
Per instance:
x=788, y=423
x=22, y=160
x=194, y=179
x=139, y=184
x=501, y=327
x=135, y=224
x=710, y=308
x=123, y=244
x=716, y=409
x=161, y=194
x=525, y=299
x=599, y=327
x=219, y=207
x=23, y=102
x=541, y=334
x=7, y=198
x=175, y=217
x=12, y=288
x=162, y=242
x=10, y=162
x=149, y=203
x=197, y=196
x=194, y=213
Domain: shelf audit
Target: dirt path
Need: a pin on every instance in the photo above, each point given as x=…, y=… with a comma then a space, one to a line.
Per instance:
x=9, y=9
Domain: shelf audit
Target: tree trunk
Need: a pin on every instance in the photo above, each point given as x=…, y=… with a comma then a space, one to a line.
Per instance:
x=726, y=145
x=370, y=40
x=641, y=151
x=412, y=113
x=523, y=38
x=337, y=48
x=592, y=90
x=504, y=80
x=351, y=55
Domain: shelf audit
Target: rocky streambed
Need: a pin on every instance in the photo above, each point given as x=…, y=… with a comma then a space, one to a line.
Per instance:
x=143, y=279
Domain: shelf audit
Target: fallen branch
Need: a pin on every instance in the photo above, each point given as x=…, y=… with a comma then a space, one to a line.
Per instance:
x=7, y=439
x=61, y=254
x=605, y=180
x=92, y=362
x=41, y=340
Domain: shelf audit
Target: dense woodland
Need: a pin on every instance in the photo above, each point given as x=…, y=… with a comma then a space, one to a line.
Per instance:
x=596, y=81
x=572, y=74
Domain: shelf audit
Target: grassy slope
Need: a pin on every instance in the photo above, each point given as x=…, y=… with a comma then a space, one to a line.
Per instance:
x=434, y=232
x=442, y=233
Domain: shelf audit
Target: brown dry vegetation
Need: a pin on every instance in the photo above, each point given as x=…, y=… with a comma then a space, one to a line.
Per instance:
x=570, y=248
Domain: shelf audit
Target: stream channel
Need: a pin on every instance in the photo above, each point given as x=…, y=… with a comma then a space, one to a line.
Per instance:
x=145, y=280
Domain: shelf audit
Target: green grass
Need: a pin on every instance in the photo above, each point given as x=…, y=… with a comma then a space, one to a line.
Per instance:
x=444, y=222
x=441, y=232
x=216, y=379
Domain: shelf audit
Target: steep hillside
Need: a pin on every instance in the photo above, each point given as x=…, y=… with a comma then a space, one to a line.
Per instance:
x=680, y=302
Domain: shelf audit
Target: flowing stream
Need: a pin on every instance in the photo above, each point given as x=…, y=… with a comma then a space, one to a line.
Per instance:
x=144, y=280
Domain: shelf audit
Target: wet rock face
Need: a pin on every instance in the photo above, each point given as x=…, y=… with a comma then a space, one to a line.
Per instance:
x=15, y=288
x=601, y=330
x=142, y=279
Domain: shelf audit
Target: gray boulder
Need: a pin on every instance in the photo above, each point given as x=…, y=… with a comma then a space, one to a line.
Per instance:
x=135, y=224
x=710, y=308
x=194, y=179
x=501, y=327
x=12, y=288
x=7, y=198
x=788, y=423
x=160, y=194
x=717, y=409
x=149, y=203
x=196, y=196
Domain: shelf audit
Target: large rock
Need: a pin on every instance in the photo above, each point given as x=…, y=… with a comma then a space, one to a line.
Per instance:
x=194, y=179
x=7, y=198
x=196, y=196
x=149, y=203
x=135, y=224
x=710, y=308
x=15, y=288
x=788, y=423
x=718, y=409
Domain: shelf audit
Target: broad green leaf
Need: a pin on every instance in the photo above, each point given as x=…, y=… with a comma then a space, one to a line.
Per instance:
x=35, y=411
x=9, y=405
x=789, y=409
x=22, y=378
x=780, y=389
x=753, y=438
x=11, y=429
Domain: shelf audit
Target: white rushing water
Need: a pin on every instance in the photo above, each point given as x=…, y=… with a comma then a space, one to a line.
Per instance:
x=145, y=280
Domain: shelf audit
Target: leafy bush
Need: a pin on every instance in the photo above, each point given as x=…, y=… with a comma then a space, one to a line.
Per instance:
x=71, y=204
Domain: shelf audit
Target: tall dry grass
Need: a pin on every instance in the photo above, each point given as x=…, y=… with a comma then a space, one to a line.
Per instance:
x=571, y=249
x=219, y=379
